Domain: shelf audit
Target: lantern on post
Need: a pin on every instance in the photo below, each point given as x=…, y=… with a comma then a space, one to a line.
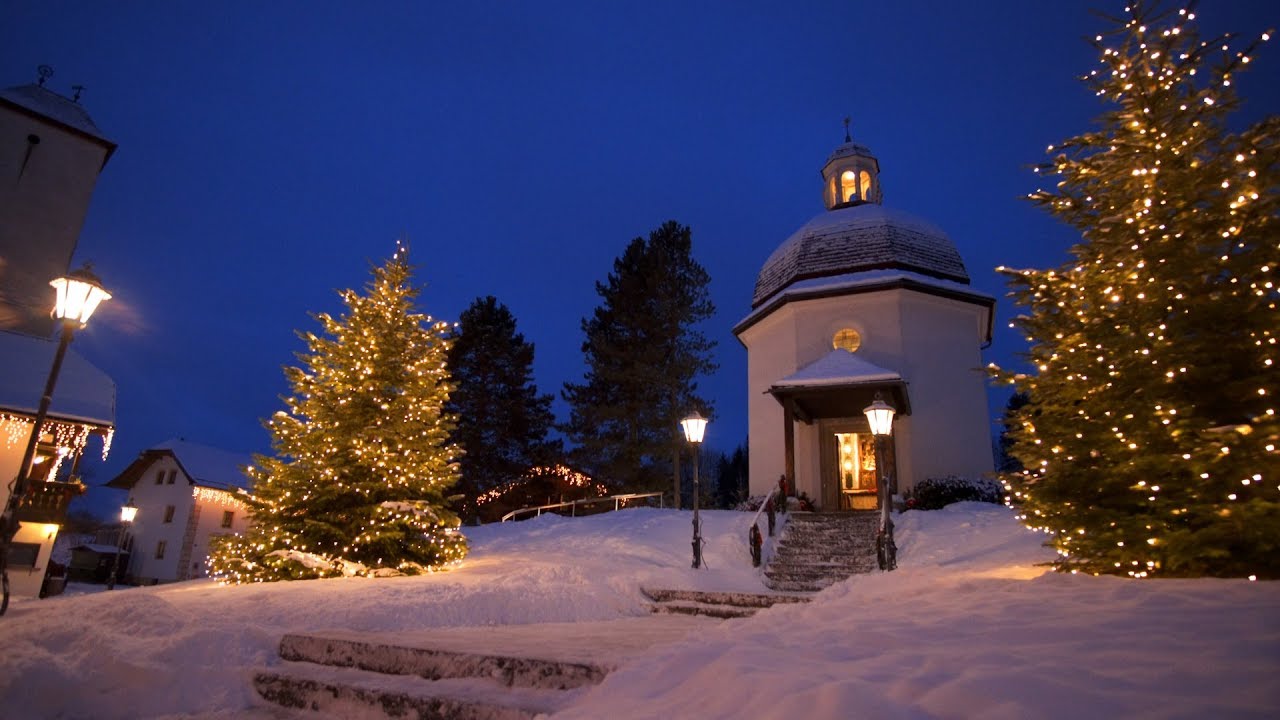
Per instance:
x=880, y=417
x=127, y=514
x=78, y=294
x=694, y=426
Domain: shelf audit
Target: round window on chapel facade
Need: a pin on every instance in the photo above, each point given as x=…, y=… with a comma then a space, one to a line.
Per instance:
x=847, y=339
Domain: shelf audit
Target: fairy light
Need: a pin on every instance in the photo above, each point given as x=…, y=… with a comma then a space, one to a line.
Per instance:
x=362, y=451
x=1177, y=250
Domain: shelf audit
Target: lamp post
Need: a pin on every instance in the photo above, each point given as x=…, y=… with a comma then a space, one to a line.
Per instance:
x=127, y=514
x=694, y=426
x=880, y=416
x=78, y=295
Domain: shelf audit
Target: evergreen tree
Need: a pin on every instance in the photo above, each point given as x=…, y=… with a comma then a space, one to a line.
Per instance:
x=1150, y=437
x=362, y=454
x=502, y=420
x=1005, y=460
x=644, y=354
x=732, y=477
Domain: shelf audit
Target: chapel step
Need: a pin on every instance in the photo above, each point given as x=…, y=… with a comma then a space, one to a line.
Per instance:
x=800, y=586
x=739, y=599
x=346, y=693
x=435, y=664
x=724, y=612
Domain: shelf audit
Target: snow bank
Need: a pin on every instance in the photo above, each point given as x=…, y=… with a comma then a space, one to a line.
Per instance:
x=969, y=626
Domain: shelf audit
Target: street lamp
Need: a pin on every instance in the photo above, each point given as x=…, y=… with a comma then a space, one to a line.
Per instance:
x=694, y=426
x=127, y=514
x=78, y=294
x=880, y=417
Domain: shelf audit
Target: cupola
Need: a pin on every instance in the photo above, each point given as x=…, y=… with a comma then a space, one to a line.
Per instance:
x=851, y=175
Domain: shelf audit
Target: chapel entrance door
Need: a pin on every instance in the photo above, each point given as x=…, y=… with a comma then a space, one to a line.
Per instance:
x=848, y=466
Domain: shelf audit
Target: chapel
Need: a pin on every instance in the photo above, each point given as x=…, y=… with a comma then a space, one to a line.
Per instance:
x=864, y=301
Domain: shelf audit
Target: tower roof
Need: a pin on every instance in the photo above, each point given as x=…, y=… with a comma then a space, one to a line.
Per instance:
x=855, y=238
x=47, y=104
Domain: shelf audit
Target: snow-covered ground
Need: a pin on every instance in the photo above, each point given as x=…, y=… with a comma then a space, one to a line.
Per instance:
x=969, y=626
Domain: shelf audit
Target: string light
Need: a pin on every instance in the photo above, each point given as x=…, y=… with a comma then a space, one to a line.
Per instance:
x=363, y=462
x=1168, y=298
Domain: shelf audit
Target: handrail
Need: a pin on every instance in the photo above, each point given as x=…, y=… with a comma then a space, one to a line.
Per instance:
x=754, y=540
x=617, y=500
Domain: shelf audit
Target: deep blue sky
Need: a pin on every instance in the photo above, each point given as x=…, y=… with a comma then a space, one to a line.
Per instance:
x=269, y=151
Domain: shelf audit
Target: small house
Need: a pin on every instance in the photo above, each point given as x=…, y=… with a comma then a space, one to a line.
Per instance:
x=187, y=495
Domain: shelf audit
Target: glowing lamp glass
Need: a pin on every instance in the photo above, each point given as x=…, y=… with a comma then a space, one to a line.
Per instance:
x=880, y=417
x=79, y=294
x=128, y=513
x=694, y=426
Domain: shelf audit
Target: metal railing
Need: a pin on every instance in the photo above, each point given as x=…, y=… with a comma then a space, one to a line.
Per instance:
x=617, y=500
x=755, y=542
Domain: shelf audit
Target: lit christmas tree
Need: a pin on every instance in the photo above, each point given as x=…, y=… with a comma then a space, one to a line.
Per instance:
x=363, y=460
x=1150, y=440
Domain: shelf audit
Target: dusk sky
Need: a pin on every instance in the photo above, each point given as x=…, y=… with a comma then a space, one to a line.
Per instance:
x=268, y=152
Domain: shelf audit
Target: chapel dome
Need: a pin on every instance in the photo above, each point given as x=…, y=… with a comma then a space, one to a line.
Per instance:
x=857, y=234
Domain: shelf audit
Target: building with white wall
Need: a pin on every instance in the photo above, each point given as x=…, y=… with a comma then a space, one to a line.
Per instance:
x=187, y=495
x=864, y=301
x=51, y=154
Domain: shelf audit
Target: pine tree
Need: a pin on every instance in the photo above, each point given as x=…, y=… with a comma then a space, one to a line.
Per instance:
x=502, y=420
x=732, y=475
x=644, y=354
x=1150, y=437
x=362, y=455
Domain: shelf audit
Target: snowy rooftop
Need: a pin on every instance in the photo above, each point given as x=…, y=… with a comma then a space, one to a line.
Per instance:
x=838, y=367
x=55, y=107
x=849, y=149
x=83, y=392
x=862, y=237
x=864, y=280
x=206, y=466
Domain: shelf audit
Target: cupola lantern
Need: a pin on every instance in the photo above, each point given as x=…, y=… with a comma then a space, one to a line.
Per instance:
x=851, y=176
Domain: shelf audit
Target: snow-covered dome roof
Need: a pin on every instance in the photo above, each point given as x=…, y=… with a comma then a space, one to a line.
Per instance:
x=863, y=236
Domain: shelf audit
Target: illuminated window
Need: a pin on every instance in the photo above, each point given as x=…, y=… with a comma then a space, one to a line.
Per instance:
x=847, y=339
x=848, y=186
x=865, y=177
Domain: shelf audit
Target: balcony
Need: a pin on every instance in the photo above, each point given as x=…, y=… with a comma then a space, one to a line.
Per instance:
x=47, y=501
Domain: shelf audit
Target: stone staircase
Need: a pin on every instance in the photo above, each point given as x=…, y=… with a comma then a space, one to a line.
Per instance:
x=714, y=604
x=819, y=549
x=343, y=678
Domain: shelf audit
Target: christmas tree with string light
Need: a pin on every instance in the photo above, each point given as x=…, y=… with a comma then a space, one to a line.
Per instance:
x=1149, y=444
x=363, y=462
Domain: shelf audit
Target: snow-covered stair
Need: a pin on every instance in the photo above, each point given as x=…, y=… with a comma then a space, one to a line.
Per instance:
x=819, y=549
x=341, y=677
x=714, y=604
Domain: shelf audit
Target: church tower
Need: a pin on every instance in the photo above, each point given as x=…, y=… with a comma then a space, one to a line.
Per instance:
x=51, y=154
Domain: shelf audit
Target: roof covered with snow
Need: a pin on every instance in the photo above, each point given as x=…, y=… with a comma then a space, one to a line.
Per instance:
x=850, y=149
x=867, y=236
x=83, y=392
x=838, y=367
x=52, y=106
x=206, y=466
x=868, y=281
